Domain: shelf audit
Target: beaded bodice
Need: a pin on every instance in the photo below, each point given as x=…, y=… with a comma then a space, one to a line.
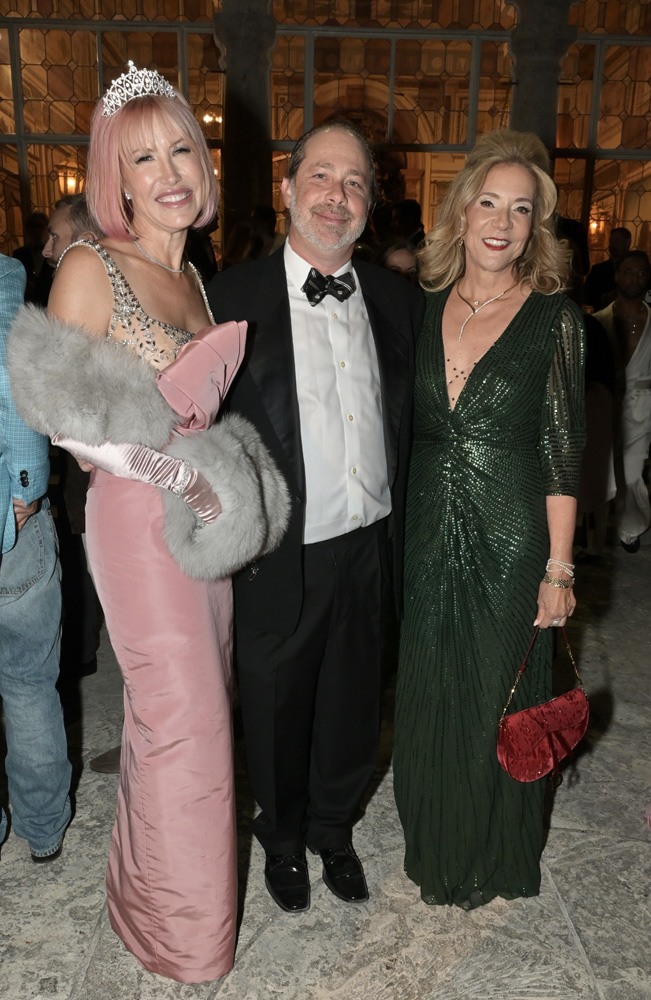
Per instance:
x=155, y=341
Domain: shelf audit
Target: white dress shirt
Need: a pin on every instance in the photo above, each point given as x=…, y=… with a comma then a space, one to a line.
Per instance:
x=340, y=407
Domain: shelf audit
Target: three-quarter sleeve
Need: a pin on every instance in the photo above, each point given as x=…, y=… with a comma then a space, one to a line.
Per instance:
x=562, y=425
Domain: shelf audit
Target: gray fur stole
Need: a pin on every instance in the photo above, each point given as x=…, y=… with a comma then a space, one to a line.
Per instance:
x=66, y=381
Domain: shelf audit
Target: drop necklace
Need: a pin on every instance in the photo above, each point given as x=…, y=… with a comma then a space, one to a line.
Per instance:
x=633, y=323
x=477, y=305
x=172, y=270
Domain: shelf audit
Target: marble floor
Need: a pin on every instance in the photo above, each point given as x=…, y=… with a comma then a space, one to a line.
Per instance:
x=586, y=937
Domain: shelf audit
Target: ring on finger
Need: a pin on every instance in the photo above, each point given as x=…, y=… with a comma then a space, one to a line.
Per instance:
x=555, y=621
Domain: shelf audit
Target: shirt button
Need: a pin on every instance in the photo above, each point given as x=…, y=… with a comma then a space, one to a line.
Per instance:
x=355, y=517
x=334, y=316
x=350, y=416
x=342, y=364
x=354, y=471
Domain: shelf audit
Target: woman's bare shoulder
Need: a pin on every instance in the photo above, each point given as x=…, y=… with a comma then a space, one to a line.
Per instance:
x=81, y=292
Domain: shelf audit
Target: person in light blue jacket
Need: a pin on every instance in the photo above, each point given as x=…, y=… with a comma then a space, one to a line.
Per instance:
x=37, y=765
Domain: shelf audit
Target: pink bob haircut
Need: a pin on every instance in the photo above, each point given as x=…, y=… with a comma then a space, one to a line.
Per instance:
x=112, y=139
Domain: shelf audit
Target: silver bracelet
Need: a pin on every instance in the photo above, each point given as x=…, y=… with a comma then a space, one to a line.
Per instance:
x=180, y=488
x=564, y=566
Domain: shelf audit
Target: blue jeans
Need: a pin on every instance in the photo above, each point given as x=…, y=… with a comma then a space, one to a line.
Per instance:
x=30, y=631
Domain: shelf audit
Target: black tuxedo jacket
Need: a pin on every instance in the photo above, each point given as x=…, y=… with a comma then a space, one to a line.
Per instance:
x=269, y=595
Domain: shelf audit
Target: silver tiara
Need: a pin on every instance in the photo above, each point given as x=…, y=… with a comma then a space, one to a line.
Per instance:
x=135, y=83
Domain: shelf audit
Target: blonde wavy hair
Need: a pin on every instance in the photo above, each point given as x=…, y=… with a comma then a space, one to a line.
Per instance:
x=546, y=261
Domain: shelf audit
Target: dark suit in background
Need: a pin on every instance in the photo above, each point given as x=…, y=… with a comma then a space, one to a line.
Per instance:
x=599, y=284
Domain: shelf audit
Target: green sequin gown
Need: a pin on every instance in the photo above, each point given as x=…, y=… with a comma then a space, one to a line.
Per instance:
x=476, y=548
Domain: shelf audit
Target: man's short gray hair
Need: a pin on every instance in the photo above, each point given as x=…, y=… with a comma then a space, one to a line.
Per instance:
x=80, y=219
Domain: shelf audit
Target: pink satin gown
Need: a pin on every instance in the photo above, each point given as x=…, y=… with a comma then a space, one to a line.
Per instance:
x=171, y=879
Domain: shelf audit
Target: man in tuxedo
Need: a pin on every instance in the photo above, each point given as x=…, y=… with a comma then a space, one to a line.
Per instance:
x=327, y=381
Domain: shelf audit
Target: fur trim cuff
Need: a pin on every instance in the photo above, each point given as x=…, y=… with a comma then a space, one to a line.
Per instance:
x=252, y=493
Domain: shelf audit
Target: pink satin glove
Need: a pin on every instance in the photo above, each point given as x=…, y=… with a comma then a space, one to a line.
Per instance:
x=144, y=465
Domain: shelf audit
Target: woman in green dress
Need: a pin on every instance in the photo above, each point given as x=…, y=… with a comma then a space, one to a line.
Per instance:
x=498, y=436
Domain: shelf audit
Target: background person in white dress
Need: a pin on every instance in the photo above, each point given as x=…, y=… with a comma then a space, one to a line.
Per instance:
x=627, y=322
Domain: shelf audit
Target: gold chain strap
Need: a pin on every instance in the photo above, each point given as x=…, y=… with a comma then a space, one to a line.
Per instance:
x=524, y=663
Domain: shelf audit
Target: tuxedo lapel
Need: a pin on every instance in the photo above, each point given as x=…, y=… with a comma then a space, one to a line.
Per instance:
x=270, y=355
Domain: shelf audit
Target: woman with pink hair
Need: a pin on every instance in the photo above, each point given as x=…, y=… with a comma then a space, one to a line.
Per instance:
x=133, y=372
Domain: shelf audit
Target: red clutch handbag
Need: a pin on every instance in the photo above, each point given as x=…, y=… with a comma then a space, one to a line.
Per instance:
x=533, y=742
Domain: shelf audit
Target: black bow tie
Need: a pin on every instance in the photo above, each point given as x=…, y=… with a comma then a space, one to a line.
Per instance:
x=318, y=285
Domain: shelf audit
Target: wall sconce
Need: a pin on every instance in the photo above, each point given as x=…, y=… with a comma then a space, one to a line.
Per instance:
x=71, y=181
x=599, y=220
x=209, y=119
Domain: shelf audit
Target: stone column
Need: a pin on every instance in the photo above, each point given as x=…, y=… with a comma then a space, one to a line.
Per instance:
x=538, y=44
x=245, y=33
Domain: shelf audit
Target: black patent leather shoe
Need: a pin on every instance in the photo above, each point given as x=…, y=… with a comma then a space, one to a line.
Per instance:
x=343, y=874
x=288, y=882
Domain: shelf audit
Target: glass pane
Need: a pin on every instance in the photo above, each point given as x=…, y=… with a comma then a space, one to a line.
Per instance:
x=11, y=219
x=287, y=87
x=438, y=172
x=624, y=119
x=494, y=87
x=424, y=177
x=431, y=91
x=59, y=76
x=149, y=49
x=114, y=10
x=351, y=75
x=621, y=196
x=206, y=95
x=55, y=171
x=621, y=17
x=574, y=97
x=7, y=122
x=569, y=177
x=443, y=14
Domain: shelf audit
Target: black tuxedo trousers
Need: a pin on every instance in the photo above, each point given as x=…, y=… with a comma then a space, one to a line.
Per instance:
x=311, y=701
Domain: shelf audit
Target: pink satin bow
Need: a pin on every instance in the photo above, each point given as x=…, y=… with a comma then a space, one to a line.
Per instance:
x=206, y=363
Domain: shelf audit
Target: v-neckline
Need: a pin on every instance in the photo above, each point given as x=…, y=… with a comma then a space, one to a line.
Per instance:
x=643, y=338
x=441, y=347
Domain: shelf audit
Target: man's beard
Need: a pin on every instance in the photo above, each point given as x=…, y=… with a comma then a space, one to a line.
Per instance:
x=303, y=220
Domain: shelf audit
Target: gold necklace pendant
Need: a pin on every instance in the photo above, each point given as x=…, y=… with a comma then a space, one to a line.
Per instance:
x=478, y=306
